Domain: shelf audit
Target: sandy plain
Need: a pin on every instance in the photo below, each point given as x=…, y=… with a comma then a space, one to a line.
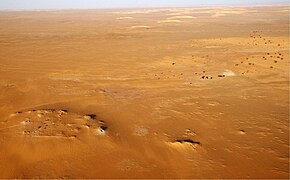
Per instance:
x=145, y=93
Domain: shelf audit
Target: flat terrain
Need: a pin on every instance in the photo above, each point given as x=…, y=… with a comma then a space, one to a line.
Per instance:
x=145, y=93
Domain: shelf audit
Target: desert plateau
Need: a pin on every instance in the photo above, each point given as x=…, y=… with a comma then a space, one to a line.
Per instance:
x=187, y=93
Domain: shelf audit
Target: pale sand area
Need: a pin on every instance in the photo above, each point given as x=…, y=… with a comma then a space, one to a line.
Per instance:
x=125, y=94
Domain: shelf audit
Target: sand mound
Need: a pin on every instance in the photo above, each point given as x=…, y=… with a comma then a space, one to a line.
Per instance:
x=182, y=17
x=216, y=15
x=228, y=73
x=184, y=144
x=143, y=11
x=56, y=123
x=123, y=18
x=140, y=27
x=175, y=14
x=169, y=21
x=225, y=12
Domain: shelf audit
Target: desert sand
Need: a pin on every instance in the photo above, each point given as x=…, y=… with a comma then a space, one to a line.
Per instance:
x=145, y=93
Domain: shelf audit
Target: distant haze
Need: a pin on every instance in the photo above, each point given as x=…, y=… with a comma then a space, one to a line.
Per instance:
x=88, y=4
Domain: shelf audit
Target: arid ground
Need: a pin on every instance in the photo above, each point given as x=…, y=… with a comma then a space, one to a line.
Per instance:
x=145, y=93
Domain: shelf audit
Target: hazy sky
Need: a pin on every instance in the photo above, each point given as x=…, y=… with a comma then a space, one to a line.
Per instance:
x=64, y=4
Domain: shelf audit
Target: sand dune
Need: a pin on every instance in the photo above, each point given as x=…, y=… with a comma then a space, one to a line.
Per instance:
x=182, y=17
x=226, y=12
x=216, y=15
x=140, y=27
x=126, y=17
x=145, y=93
x=170, y=21
x=142, y=11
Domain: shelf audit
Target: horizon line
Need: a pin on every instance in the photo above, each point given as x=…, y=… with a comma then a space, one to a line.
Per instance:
x=153, y=7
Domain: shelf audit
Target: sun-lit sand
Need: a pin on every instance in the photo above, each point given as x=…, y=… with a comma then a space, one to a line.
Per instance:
x=126, y=17
x=169, y=21
x=182, y=17
x=146, y=93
